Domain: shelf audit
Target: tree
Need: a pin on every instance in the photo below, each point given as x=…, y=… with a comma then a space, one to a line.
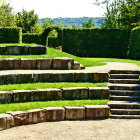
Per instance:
x=48, y=23
x=26, y=20
x=121, y=13
x=38, y=28
x=88, y=24
x=7, y=17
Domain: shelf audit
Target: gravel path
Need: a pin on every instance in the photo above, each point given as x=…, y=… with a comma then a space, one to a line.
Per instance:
x=105, y=68
x=109, y=129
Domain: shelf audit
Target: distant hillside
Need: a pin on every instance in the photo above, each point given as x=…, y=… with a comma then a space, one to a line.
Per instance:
x=75, y=21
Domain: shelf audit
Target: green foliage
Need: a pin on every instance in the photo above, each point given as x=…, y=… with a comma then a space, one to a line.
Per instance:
x=134, y=44
x=122, y=14
x=7, y=17
x=53, y=42
x=26, y=20
x=31, y=38
x=48, y=23
x=96, y=42
x=38, y=29
x=10, y=35
x=88, y=24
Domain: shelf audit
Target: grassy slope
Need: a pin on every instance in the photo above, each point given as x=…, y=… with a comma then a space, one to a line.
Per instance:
x=33, y=105
x=17, y=44
x=34, y=86
x=51, y=53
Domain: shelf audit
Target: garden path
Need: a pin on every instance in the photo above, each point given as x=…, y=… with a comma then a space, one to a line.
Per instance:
x=109, y=129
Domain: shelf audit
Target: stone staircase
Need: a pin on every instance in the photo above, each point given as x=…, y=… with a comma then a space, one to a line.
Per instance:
x=124, y=88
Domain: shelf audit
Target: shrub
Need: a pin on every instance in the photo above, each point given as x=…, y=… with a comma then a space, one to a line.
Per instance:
x=31, y=38
x=134, y=43
x=53, y=42
x=10, y=35
x=96, y=42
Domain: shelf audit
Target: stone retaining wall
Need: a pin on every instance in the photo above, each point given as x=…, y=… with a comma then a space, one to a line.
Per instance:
x=23, y=50
x=17, y=96
x=41, y=64
x=53, y=77
x=17, y=118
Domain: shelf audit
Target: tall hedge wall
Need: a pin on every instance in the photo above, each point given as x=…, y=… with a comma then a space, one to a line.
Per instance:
x=10, y=35
x=96, y=42
x=31, y=38
x=134, y=44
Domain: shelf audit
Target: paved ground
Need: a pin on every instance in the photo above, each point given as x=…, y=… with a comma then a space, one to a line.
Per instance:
x=109, y=129
x=104, y=69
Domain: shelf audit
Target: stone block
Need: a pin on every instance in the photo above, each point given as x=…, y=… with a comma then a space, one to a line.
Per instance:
x=101, y=77
x=5, y=97
x=84, y=77
x=11, y=63
x=50, y=94
x=21, y=95
x=13, y=50
x=75, y=113
x=75, y=93
x=36, y=116
x=6, y=121
x=20, y=117
x=10, y=79
x=76, y=65
x=97, y=111
x=2, y=50
x=28, y=63
x=2, y=77
x=63, y=63
x=1, y=64
x=62, y=77
x=43, y=63
x=34, y=95
x=44, y=77
x=54, y=113
x=24, y=78
x=98, y=93
x=37, y=50
x=24, y=50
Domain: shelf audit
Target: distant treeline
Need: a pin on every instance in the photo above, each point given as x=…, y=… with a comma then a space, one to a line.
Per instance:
x=75, y=21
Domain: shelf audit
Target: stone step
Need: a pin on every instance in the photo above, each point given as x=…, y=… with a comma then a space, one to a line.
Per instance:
x=124, y=81
x=124, y=86
x=124, y=104
x=124, y=76
x=125, y=116
x=125, y=92
x=124, y=72
x=125, y=111
x=125, y=98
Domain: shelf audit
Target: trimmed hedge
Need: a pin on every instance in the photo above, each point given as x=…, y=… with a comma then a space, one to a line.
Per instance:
x=31, y=38
x=111, y=43
x=53, y=42
x=10, y=35
x=134, y=44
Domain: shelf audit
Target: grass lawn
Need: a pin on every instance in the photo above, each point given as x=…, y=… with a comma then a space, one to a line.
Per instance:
x=17, y=44
x=51, y=53
x=34, y=105
x=34, y=86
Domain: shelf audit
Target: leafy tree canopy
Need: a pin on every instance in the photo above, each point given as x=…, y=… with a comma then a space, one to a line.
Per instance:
x=88, y=24
x=7, y=17
x=26, y=20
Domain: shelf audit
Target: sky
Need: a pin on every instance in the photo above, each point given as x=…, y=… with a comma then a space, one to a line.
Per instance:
x=59, y=8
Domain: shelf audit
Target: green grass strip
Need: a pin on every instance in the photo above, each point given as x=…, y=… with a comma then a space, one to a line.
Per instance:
x=34, y=105
x=52, y=53
x=17, y=44
x=34, y=86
